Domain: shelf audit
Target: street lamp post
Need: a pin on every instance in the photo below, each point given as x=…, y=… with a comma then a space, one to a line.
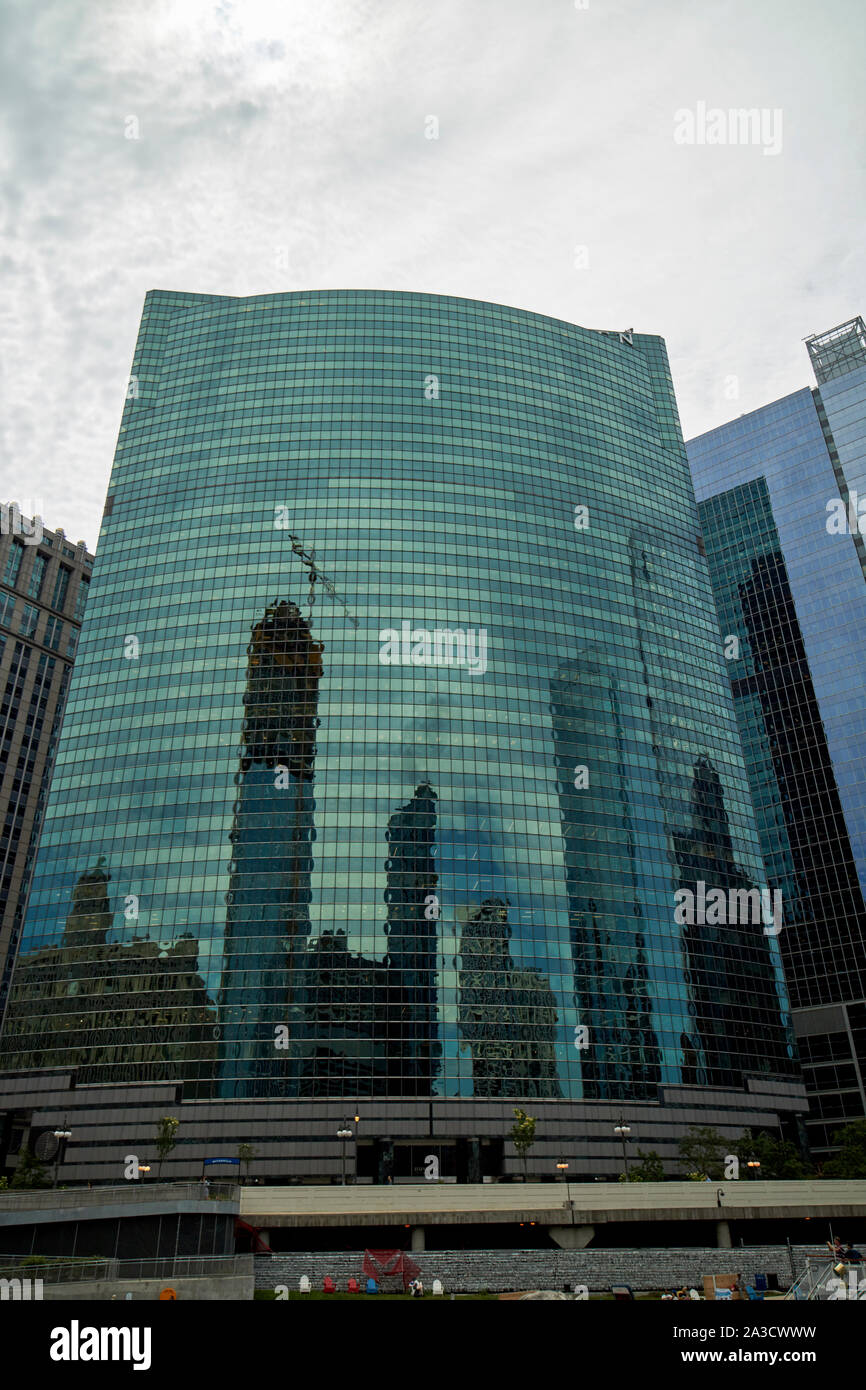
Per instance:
x=60, y=1135
x=344, y=1134
x=562, y=1169
x=623, y=1131
x=754, y=1164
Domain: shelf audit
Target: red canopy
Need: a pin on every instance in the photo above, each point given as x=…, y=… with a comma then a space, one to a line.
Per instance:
x=389, y=1264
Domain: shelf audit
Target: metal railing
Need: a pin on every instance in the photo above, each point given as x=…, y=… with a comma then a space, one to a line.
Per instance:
x=43, y=1199
x=84, y=1269
x=820, y=1280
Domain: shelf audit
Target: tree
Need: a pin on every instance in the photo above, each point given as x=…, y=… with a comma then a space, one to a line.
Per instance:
x=30, y=1172
x=779, y=1158
x=246, y=1154
x=650, y=1168
x=165, y=1139
x=850, y=1161
x=523, y=1135
x=703, y=1151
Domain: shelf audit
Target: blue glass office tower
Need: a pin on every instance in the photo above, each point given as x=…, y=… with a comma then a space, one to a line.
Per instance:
x=399, y=722
x=779, y=491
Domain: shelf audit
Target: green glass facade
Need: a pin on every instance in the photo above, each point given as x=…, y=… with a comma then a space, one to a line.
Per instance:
x=399, y=719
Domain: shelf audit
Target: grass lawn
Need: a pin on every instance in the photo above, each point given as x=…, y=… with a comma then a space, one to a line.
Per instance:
x=268, y=1295
x=317, y=1295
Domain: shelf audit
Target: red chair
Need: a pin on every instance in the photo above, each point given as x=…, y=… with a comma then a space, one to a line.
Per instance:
x=354, y=1286
x=328, y=1284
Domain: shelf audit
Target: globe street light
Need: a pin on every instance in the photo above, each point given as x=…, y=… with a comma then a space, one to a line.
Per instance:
x=60, y=1135
x=623, y=1130
x=344, y=1134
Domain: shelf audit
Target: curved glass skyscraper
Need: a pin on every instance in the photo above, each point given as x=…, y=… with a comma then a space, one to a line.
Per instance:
x=400, y=733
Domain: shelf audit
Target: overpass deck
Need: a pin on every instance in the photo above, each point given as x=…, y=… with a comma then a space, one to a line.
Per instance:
x=562, y=1203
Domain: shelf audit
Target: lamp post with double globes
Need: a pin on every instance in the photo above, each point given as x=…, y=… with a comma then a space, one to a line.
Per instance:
x=61, y=1135
x=623, y=1130
x=343, y=1135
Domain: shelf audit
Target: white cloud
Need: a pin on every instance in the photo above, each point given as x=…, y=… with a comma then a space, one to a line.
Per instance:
x=298, y=123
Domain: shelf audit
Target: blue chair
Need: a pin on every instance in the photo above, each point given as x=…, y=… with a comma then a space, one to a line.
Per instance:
x=755, y=1295
x=372, y=1286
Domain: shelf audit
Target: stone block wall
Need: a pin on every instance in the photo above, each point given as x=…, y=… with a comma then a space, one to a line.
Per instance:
x=502, y=1271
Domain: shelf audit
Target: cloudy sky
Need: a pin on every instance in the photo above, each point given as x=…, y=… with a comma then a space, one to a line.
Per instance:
x=282, y=145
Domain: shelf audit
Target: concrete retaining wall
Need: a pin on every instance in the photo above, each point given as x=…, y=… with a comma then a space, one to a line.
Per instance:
x=501, y=1271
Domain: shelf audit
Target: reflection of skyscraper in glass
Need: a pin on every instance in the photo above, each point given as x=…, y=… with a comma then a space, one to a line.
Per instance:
x=118, y=1010
x=733, y=966
x=603, y=881
x=267, y=922
x=737, y=1022
x=413, y=913
x=90, y=917
x=370, y=1026
x=636, y=807
x=507, y=1015
x=344, y=998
